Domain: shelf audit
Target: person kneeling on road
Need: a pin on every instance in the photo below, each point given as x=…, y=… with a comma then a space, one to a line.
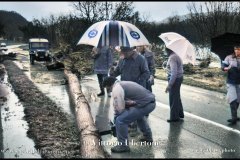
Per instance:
x=131, y=103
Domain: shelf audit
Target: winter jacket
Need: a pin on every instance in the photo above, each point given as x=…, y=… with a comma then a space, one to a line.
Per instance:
x=233, y=74
x=103, y=60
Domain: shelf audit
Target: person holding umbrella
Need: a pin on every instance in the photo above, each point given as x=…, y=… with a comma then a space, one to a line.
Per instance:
x=175, y=78
x=231, y=65
x=103, y=60
x=131, y=67
x=180, y=51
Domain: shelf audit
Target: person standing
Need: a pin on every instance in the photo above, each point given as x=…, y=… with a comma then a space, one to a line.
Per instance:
x=175, y=79
x=231, y=65
x=149, y=56
x=131, y=103
x=103, y=60
x=131, y=67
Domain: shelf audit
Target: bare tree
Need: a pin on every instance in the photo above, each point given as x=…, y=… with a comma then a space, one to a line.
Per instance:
x=213, y=18
x=145, y=17
x=88, y=10
x=123, y=11
x=174, y=22
x=51, y=27
x=107, y=9
x=96, y=11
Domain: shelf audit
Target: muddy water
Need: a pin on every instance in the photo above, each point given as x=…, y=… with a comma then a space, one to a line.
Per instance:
x=16, y=144
x=51, y=83
x=59, y=94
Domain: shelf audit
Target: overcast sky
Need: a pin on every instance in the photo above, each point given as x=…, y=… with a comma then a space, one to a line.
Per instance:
x=156, y=10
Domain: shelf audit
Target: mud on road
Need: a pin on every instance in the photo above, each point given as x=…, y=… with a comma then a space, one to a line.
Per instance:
x=54, y=134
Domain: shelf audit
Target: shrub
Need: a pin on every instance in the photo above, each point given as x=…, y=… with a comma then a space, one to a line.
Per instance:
x=188, y=69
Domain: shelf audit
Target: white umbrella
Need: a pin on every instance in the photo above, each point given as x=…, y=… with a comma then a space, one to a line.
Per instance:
x=113, y=33
x=180, y=45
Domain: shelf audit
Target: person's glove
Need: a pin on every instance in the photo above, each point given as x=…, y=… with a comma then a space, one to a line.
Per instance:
x=129, y=103
x=151, y=80
x=111, y=70
x=167, y=89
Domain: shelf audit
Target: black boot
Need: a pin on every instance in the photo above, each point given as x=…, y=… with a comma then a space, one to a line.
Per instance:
x=100, y=79
x=233, y=106
x=232, y=121
x=101, y=93
x=238, y=119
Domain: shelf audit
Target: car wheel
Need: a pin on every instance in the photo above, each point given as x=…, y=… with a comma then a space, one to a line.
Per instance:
x=32, y=59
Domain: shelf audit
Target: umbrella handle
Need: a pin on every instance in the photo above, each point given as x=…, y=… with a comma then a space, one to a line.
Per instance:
x=164, y=65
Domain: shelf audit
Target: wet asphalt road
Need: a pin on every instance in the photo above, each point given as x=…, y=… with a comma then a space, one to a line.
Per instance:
x=203, y=134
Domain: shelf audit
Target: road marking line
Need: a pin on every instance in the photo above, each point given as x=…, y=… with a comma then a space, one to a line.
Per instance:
x=88, y=78
x=202, y=119
x=194, y=116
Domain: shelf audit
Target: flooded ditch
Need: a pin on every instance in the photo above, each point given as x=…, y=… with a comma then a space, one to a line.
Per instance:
x=50, y=137
x=16, y=143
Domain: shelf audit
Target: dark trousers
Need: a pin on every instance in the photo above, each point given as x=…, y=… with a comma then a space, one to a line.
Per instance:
x=234, y=107
x=100, y=80
x=149, y=86
x=176, y=108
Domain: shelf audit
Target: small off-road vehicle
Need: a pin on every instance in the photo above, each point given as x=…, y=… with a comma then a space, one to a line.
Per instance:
x=39, y=50
x=3, y=47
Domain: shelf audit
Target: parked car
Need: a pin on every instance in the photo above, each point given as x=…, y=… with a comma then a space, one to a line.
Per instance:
x=3, y=47
x=39, y=50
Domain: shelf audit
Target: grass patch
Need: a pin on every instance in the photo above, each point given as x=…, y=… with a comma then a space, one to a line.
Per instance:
x=209, y=78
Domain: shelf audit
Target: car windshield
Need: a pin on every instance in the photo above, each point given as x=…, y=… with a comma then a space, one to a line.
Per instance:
x=3, y=45
x=39, y=45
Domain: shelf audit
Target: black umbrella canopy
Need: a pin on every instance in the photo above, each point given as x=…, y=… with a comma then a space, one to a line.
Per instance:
x=223, y=45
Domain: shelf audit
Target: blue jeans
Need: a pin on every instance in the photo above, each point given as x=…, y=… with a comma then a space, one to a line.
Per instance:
x=130, y=115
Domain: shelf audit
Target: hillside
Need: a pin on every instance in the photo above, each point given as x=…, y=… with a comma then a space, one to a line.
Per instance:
x=11, y=21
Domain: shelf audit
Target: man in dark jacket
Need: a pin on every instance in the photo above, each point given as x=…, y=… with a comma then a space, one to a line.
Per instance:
x=133, y=67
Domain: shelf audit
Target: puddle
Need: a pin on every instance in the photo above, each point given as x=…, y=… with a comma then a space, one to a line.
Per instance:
x=59, y=94
x=16, y=144
x=51, y=83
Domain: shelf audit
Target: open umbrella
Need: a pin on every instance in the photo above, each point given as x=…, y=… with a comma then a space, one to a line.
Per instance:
x=223, y=45
x=113, y=33
x=180, y=45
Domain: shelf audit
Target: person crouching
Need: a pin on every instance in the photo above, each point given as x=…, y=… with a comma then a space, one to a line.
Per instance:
x=131, y=103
